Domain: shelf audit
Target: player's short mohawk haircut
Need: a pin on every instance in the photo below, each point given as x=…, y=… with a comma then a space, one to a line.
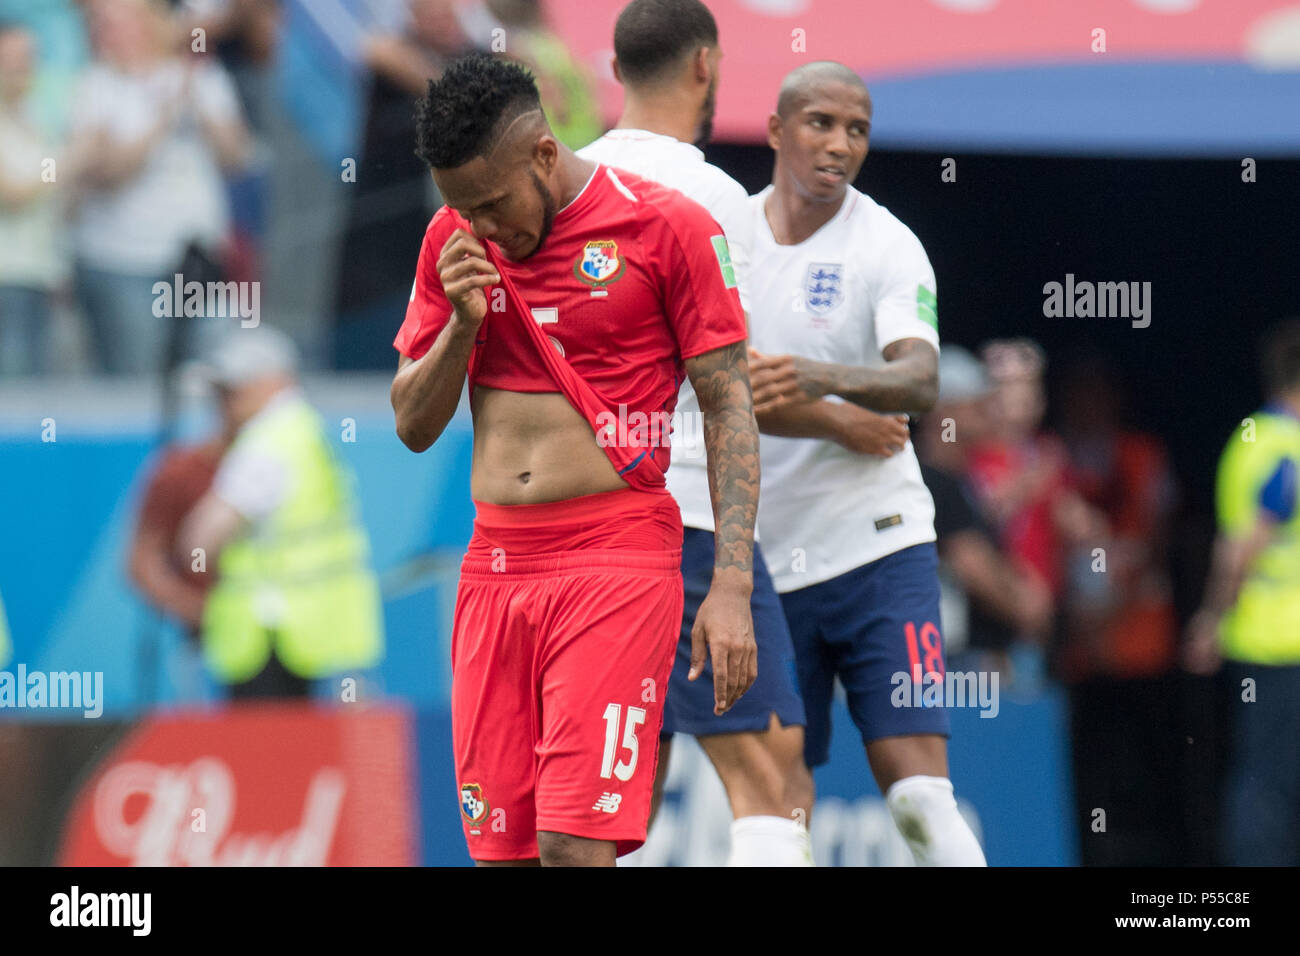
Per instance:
x=463, y=113
x=652, y=36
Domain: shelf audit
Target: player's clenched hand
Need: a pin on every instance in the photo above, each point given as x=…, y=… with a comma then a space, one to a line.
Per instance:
x=465, y=272
x=778, y=380
x=724, y=631
x=869, y=433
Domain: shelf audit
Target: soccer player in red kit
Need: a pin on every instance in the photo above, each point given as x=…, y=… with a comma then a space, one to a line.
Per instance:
x=573, y=298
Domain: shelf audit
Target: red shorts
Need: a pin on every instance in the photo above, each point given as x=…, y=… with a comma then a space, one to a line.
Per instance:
x=567, y=618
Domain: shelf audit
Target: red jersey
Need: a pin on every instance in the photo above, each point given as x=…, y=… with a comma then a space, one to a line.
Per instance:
x=633, y=279
x=1029, y=534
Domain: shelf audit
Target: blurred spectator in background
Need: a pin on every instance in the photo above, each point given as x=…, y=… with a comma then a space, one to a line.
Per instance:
x=1116, y=650
x=393, y=197
x=996, y=601
x=1120, y=621
x=152, y=129
x=31, y=263
x=242, y=34
x=176, y=484
x=567, y=85
x=409, y=59
x=1019, y=472
x=295, y=599
x=1250, y=615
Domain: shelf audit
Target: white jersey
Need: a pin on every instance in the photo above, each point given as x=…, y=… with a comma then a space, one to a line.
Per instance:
x=681, y=166
x=858, y=284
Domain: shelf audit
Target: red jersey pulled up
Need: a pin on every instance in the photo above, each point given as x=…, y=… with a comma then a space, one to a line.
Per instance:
x=627, y=285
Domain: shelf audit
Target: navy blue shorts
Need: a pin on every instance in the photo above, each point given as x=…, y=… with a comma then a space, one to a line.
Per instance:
x=864, y=627
x=689, y=706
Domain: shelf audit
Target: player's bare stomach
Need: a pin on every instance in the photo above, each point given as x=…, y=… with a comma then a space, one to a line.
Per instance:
x=534, y=447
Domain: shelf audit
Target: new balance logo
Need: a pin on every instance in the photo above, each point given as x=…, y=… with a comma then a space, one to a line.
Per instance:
x=608, y=802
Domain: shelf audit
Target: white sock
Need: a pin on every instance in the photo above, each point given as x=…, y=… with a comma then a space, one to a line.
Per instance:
x=925, y=812
x=769, y=841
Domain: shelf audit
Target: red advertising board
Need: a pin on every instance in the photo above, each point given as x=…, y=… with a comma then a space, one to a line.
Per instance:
x=259, y=785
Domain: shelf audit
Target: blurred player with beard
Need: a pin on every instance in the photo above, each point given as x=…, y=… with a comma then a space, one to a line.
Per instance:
x=844, y=305
x=570, y=596
x=667, y=58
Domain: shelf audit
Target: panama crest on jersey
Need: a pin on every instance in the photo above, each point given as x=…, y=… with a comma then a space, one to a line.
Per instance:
x=823, y=287
x=599, y=265
x=472, y=804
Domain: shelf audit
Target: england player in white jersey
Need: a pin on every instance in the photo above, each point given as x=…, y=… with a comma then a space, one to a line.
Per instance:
x=666, y=56
x=844, y=313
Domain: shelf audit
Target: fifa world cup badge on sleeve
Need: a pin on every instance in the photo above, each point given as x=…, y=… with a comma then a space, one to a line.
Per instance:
x=472, y=805
x=927, y=307
x=600, y=265
x=723, y=252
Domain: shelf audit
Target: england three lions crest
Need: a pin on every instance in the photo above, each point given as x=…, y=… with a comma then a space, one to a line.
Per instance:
x=823, y=287
x=600, y=265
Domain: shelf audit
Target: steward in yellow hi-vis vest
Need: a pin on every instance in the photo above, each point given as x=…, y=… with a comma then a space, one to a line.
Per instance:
x=1249, y=619
x=295, y=599
x=1257, y=477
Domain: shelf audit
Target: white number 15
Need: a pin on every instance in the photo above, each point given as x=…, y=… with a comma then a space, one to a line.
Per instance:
x=635, y=717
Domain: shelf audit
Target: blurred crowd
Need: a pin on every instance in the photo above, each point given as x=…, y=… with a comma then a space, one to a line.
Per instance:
x=142, y=140
x=1055, y=563
x=1055, y=540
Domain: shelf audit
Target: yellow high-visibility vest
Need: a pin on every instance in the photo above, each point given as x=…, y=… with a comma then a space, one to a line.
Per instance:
x=1263, y=626
x=572, y=110
x=300, y=581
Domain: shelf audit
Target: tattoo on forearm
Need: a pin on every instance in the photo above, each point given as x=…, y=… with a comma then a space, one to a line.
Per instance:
x=721, y=381
x=907, y=383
